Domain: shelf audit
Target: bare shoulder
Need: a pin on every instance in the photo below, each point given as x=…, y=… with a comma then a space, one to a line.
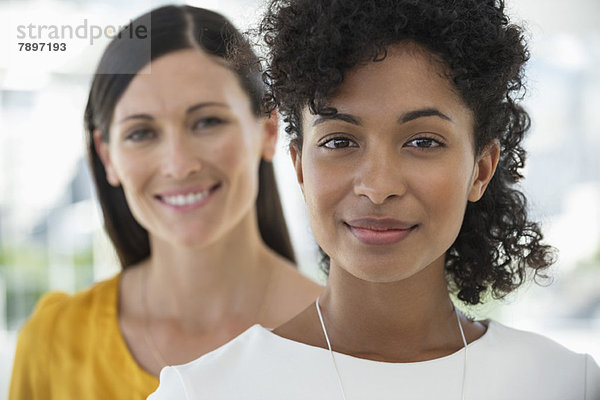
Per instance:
x=303, y=328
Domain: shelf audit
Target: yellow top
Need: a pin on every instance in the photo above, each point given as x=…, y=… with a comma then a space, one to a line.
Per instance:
x=72, y=348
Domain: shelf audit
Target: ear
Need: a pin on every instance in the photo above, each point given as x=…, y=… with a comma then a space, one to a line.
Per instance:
x=270, y=125
x=484, y=170
x=297, y=161
x=102, y=150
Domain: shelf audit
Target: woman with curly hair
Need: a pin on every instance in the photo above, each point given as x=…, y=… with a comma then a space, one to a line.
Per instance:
x=406, y=133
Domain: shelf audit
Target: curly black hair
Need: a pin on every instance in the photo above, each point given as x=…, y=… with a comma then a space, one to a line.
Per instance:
x=312, y=43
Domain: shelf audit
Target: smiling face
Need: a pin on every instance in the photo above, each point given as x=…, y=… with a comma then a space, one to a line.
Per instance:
x=185, y=146
x=387, y=179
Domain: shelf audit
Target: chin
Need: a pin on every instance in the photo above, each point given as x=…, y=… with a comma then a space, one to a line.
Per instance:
x=380, y=271
x=382, y=277
x=195, y=238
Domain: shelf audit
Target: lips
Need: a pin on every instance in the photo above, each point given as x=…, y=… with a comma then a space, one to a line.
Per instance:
x=184, y=200
x=380, y=232
x=187, y=199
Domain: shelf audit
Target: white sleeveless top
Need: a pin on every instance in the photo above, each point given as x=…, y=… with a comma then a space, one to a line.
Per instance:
x=504, y=364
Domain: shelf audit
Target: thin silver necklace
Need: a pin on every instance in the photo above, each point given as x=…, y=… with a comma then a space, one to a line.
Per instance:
x=150, y=343
x=462, y=334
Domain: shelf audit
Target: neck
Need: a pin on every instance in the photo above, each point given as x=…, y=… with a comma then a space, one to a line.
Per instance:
x=226, y=275
x=408, y=320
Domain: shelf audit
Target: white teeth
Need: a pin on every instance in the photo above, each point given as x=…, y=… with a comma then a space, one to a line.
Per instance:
x=181, y=200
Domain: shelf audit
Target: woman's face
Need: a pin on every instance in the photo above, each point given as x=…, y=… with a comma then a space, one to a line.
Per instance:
x=387, y=179
x=185, y=146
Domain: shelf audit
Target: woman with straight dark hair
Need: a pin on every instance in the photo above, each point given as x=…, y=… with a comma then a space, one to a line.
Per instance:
x=180, y=149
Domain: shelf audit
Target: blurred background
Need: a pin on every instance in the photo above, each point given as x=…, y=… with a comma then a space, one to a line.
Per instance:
x=51, y=234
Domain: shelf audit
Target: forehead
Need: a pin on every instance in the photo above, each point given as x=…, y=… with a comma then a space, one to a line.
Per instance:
x=409, y=78
x=176, y=80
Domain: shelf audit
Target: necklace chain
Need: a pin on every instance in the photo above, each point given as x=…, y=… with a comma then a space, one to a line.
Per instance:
x=158, y=357
x=462, y=334
x=265, y=292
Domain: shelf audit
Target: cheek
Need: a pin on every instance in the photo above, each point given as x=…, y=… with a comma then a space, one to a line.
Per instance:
x=134, y=171
x=237, y=156
x=233, y=150
x=325, y=187
x=228, y=153
x=443, y=191
x=131, y=168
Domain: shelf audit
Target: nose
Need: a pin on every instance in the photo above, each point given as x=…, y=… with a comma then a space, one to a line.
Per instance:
x=180, y=157
x=379, y=176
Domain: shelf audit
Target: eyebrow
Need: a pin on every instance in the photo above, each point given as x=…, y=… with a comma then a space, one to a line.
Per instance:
x=189, y=110
x=207, y=104
x=404, y=118
x=338, y=117
x=425, y=112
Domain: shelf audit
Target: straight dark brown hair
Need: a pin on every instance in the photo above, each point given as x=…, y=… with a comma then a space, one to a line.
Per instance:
x=152, y=35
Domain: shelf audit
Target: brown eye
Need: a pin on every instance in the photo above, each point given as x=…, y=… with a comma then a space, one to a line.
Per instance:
x=139, y=135
x=424, y=143
x=208, y=122
x=338, y=143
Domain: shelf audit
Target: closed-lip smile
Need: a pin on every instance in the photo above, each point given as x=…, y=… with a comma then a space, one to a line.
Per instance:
x=380, y=231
